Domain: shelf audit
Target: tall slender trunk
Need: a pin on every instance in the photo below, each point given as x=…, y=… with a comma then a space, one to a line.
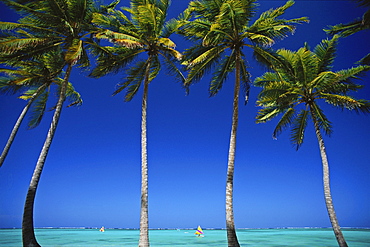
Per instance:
x=230, y=225
x=144, y=219
x=28, y=232
x=326, y=180
x=18, y=124
x=14, y=132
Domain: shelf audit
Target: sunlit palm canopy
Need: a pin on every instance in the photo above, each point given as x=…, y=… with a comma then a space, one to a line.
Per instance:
x=357, y=25
x=138, y=30
x=303, y=81
x=222, y=29
x=33, y=80
x=46, y=25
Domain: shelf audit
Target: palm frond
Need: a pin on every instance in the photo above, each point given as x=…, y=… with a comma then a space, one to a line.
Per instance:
x=278, y=92
x=326, y=52
x=171, y=26
x=122, y=39
x=171, y=58
x=346, y=30
x=245, y=79
x=202, y=63
x=205, y=56
x=166, y=42
x=347, y=102
x=365, y=60
x=324, y=81
x=305, y=66
x=10, y=46
x=267, y=28
x=346, y=75
x=299, y=126
x=7, y=87
x=155, y=67
x=74, y=52
x=223, y=69
x=112, y=59
x=73, y=96
x=38, y=108
x=196, y=29
x=266, y=79
x=270, y=59
x=266, y=114
x=322, y=120
x=135, y=76
x=285, y=121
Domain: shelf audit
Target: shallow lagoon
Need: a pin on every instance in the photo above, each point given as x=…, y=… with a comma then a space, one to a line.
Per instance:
x=185, y=238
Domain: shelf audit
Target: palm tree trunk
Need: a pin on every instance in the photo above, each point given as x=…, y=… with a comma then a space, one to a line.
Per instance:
x=28, y=232
x=14, y=132
x=328, y=199
x=17, y=125
x=144, y=219
x=230, y=225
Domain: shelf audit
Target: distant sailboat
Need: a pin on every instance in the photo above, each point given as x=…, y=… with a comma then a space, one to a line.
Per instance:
x=199, y=232
x=102, y=229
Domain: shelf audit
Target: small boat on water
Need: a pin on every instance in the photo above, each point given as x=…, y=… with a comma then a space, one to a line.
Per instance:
x=102, y=229
x=199, y=232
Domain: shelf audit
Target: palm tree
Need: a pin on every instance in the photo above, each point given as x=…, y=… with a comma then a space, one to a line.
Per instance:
x=302, y=80
x=222, y=30
x=353, y=27
x=145, y=33
x=34, y=78
x=47, y=26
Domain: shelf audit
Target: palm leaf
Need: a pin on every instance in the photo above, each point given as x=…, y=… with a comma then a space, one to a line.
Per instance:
x=172, y=26
x=266, y=114
x=365, y=60
x=166, y=42
x=245, y=79
x=73, y=96
x=326, y=52
x=299, y=126
x=324, y=81
x=9, y=46
x=204, y=56
x=155, y=67
x=223, y=69
x=305, y=66
x=346, y=75
x=322, y=120
x=346, y=30
x=74, y=52
x=285, y=121
x=7, y=87
x=122, y=39
x=267, y=27
x=171, y=58
x=203, y=65
x=112, y=59
x=135, y=76
x=347, y=102
x=38, y=108
x=269, y=58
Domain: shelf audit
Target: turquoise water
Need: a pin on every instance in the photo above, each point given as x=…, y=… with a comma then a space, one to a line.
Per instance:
x=186, y=238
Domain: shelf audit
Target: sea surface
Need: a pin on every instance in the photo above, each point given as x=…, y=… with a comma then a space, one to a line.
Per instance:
x=312, y=237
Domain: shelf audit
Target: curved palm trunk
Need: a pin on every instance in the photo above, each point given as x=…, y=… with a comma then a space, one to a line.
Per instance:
x=28, y=232
x=17, y=125
x=144, y=221
x=328, y=199
x=230, y=225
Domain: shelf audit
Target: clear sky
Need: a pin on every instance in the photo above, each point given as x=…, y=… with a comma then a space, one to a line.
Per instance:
x=92, y=173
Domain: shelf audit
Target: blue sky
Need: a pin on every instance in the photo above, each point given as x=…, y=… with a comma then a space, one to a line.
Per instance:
x=92, y=173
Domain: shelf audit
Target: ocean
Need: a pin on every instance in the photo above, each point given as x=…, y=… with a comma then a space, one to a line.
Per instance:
x=300, y=237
